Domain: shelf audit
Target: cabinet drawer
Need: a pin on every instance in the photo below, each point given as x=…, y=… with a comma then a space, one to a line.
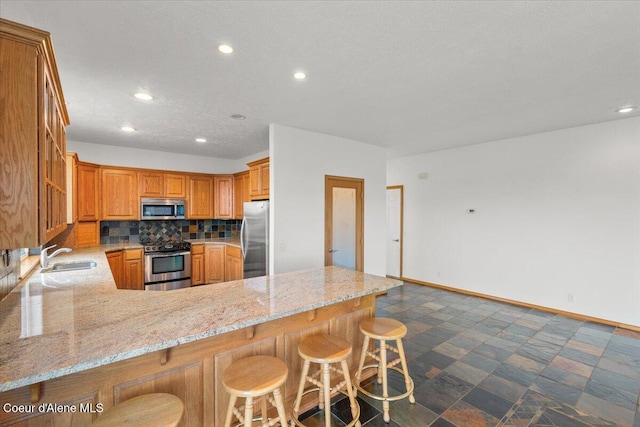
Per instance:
x=197, y=249
x=133, y=254
x=234, y=251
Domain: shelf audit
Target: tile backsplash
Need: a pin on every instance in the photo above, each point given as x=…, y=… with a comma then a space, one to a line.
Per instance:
x=177, y=230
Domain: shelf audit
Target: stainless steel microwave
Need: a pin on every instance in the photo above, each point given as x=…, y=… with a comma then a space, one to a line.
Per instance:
x=162, y=209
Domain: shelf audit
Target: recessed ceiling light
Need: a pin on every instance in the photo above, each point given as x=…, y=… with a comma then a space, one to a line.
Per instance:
x=201, y=140
x=626, y=109
x=299, y=75
x=225, y=48
x=238, y=117
x=127, y=129
x=143, y=96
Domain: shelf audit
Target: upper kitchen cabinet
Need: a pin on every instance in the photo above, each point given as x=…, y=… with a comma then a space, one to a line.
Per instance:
x=119, y=191
x=32, y=139
x=87, y=190
x=159, y=184
x=200, y=197
x=223, y=197
x=241, y=193
x=259, y=179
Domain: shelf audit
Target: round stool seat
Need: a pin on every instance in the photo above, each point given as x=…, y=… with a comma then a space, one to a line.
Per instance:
x=381, y=328
x=324, y=349
x=155, y=409
x=255, y=376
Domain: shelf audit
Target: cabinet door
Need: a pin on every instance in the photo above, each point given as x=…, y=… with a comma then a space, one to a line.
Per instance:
x=233, y=264
x=151, y=184
x=133, y=269
x=223, y=196
x=116, y=260
x=197, y=265
x=120, y=195
x=259, y=179
x=87, y=234
x=264, y=180
x=175, y=185
x=200, y=201
x=214, y=263
x=240, y=193
x=87, y=192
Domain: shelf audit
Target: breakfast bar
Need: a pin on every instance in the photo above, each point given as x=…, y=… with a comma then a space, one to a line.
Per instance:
x=75, y=343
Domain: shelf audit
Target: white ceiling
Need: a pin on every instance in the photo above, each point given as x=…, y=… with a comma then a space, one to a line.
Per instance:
x=410, y=76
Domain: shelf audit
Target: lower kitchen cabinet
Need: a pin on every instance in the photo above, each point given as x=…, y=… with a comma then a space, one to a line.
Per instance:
x=197, y=265
x=214, y=263
x=127, y=267
x=233, y=264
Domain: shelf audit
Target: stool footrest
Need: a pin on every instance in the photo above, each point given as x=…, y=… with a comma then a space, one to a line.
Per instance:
x=295, y=415
x=382, y=398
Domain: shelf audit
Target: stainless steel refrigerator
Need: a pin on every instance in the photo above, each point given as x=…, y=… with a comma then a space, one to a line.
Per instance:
x=254, y=239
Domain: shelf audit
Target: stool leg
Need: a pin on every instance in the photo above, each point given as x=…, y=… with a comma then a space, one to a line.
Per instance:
x=405, y=369
x=248, y=412
x=280, y=407
x=263, y=410
x=326, y=385
x=232, y=403
x=350, y=389
x=365, y=348
x=303, y=380
x=385, y=390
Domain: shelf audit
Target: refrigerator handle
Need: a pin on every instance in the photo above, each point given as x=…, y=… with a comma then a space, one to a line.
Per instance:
x=242, y=247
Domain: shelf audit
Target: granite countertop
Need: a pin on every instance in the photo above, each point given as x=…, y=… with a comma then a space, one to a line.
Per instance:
x=56, y=324
x=232, y=241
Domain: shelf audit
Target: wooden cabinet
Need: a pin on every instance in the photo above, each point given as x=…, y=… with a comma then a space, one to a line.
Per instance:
x=233, y=265
x=214, y=263
x=259, y=179
x=116, y=263
x=159, y=184
x=223, y=197
x=119, y=195
x=127, y=267
x=87, y=234
x=175, y=185
x=133, y=269
x=200, y=197
x=87, y=190
x=32, y=139
x=72, y=185
x=151, y=184
x=241, y=193
x=197, y=265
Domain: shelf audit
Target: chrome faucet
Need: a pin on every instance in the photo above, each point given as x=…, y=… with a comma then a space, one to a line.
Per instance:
x=44, y=258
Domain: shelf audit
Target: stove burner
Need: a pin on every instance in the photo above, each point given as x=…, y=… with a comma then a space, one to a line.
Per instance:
x=168, y=247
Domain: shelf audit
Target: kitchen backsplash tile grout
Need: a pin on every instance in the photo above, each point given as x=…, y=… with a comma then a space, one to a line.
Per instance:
x=177, y=230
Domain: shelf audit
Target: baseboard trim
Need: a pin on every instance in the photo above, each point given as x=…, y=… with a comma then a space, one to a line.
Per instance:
x=524, y=304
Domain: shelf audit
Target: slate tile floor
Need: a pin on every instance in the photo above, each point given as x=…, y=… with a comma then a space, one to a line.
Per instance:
x=477, y=362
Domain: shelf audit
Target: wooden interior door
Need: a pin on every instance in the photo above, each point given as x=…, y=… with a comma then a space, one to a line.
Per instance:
x=394, y=230
x=344, y=222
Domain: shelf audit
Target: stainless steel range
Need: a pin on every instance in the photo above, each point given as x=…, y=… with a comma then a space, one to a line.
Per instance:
x=167, y=266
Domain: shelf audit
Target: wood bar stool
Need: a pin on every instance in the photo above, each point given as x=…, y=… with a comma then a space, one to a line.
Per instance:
x=255, y=377
x=155, y=409
x=325, y=350
x=384, y=330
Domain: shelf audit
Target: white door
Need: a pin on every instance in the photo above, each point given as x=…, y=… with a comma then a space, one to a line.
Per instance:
x=394, y=231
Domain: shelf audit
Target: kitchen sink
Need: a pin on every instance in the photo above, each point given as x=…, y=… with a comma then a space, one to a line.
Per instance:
x=69, y=266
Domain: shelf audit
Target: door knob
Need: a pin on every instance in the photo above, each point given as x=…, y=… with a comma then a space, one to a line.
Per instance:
x=333, y=250
x=395, y=240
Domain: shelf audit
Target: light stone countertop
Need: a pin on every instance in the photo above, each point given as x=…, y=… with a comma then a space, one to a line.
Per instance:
x=57, y=324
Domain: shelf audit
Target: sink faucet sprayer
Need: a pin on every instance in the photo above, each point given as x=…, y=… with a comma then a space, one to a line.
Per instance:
x=44, y=258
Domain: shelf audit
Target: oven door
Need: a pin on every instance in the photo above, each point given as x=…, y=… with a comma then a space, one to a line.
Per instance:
x=167, y=267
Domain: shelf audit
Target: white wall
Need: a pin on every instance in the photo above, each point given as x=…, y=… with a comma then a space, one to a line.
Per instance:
x=557, y=213
x=299, y=162
x=149, y=159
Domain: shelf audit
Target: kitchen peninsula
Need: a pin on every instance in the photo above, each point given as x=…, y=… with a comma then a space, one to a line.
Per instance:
x=72, y=338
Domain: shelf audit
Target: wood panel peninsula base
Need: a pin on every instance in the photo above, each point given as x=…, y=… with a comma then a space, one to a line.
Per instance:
x=193, y=370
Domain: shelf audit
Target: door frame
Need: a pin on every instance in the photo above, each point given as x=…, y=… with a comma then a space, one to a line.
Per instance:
x=331, y=181
x=401, y=188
